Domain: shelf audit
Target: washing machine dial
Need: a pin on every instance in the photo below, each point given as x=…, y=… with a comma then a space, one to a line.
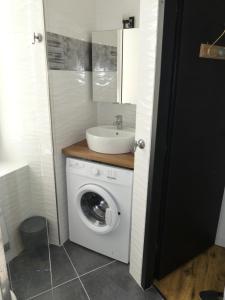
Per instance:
x=95, y=172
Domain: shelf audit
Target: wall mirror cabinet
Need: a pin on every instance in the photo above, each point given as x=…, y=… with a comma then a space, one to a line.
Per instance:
x=115, y=60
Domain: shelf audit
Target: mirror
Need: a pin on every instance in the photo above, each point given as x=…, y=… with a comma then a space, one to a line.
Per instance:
x=106, y=65
x=115, y=57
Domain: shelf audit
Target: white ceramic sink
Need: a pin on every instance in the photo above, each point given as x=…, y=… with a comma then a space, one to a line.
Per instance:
x=109, y=140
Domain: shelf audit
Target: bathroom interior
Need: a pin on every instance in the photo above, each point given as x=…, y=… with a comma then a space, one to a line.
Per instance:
x=81, y=95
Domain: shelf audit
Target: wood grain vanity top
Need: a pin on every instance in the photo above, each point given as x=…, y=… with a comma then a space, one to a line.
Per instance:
x=81, y=150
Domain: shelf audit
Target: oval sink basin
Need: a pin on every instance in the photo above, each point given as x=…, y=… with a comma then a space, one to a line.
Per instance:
x=109, y=140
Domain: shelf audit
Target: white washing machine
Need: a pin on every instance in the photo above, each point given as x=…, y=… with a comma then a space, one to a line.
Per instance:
x=99, y=201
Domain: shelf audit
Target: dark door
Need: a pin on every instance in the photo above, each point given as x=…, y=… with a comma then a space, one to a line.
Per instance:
x=189, y=168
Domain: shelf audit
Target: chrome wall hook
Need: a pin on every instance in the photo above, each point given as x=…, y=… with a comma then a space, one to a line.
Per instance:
x=37, y=37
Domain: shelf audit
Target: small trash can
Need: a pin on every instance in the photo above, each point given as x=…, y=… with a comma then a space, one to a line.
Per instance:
x=34, y=234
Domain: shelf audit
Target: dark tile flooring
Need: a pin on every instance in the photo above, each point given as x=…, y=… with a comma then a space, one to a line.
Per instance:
x=77, y=274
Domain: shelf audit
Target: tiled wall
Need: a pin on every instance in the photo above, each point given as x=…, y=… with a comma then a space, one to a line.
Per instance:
x=104, y=58
x=109, y=17
x=69, y=33
x=151, y=28
x=65, y=53
x=25, y=113
x=108, y=111
x=106, y=64
x=110, y=13
x=15, y=202
x=72, y=113
x=70, y=84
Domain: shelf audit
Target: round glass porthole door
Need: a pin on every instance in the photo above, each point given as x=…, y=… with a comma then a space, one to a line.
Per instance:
x=97, y=209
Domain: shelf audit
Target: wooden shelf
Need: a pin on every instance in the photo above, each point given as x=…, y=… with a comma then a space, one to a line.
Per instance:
x=81, y=150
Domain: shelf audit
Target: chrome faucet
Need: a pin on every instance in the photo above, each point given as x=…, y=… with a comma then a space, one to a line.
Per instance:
x=118, y=122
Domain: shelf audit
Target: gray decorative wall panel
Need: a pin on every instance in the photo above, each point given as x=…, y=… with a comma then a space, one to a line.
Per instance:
x=104, y=58
x=66, y=53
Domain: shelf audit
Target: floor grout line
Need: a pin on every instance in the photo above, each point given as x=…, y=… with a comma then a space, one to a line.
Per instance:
x=99, y=268
x=54, y=287
x=77, y=273
x=84, y=289
x=72, y=279
x=68, y=281
x=71, y=261
x=37, y=295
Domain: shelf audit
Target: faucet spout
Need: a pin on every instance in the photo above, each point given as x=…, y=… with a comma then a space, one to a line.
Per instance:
x=118, y=122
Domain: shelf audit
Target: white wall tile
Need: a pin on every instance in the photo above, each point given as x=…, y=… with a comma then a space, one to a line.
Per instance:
x=24, y=101
x=72, y=108
x=15, y=202
x=72, y=18
x=151, y=21
x=102, y=93
x=109, y=16
x=108, y=111
x=73, y=111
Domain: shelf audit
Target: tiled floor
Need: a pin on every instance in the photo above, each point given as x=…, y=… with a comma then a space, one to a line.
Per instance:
x=77, y=274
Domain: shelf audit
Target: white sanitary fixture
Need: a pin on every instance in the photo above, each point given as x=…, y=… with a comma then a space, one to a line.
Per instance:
x=99, y=202
x=110, y=140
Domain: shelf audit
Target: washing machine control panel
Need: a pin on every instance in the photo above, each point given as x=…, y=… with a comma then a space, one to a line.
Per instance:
x=95, y=172
x=112, y=174
x=75, y=164
x=99, y=171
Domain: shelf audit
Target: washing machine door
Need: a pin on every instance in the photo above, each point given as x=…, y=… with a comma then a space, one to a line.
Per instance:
x=97, y=209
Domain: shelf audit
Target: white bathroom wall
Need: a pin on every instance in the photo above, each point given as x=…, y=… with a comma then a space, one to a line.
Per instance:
x=14, y=202
x=71, y=100
x=72, y=18
x=111, y=13
x=109, y=16
x=151, y=30
x=25, y=126
x=107, y=113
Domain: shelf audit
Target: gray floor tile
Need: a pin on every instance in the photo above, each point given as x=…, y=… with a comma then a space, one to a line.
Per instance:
x=30, y=275
x=45, y=296
x=69, y=291
x=84, y=259
x=156, y=295
x=62, y=269
x=114, y=283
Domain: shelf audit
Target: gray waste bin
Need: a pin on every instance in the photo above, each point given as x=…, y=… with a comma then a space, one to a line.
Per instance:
x=34, y=234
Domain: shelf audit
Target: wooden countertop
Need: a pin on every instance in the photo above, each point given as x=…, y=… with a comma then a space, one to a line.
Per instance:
x=81, y=150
